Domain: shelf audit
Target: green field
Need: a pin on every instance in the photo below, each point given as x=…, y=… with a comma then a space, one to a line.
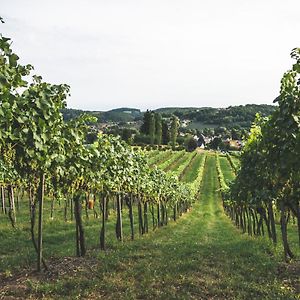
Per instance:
x=201, y=125
x=200, y=256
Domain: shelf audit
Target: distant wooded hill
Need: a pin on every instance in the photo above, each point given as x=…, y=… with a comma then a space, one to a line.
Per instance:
x=232, y=116
x=114, y=115
x=200, y=117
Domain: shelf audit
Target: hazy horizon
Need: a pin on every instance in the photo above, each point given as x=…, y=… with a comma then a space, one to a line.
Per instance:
x=152, y=54
x=169, y=107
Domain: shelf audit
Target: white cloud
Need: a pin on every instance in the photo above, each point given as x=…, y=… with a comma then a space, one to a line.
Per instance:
x=149, y=54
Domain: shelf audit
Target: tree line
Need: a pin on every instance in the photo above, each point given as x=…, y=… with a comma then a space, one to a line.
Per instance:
x=159, y=131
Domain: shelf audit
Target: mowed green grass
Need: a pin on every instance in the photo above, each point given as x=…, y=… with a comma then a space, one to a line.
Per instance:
x=191, y=173
x=235, y=161
x=177, y=163
x=226, y=169
x=201, y=256
x=292, y=227
x=158, y=158
x=172, y=159
x=17, y=252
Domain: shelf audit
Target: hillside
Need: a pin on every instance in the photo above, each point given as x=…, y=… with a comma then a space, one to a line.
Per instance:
x=201, y=117
x=232, y=116
x=114, y=115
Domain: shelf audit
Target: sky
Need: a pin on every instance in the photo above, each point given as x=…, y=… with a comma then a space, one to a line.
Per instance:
x=156, y=53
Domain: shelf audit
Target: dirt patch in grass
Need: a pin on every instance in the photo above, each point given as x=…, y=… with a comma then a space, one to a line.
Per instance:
x=289, y=274
x=20, y=285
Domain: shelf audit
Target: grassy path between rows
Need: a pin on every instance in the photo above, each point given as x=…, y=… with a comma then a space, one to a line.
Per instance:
x=202, y=256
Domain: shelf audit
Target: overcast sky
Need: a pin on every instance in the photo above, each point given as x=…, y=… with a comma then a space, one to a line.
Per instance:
x=156, y=53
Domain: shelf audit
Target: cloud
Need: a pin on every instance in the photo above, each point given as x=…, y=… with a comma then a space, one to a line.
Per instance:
x=148, y=54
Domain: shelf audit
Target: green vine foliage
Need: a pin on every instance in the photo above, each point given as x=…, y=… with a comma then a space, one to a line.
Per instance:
x=43, y=154
x=270, y=167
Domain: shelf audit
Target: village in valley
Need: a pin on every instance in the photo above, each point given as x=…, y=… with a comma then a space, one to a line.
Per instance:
x=207, y=128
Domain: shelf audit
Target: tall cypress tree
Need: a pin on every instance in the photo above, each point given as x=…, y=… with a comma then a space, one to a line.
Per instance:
x=145, y=128
x=158, y=128
x=152, y=128
x=165, y=132
x=174, y=130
